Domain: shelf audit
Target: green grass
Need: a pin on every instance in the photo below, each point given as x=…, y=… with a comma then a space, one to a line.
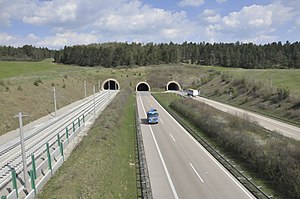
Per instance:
x=103, y=165
x=17, y=68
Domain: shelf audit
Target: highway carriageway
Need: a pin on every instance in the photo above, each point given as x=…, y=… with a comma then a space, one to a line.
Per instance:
x=266, y=122
x=51, y=133
x=180, y=167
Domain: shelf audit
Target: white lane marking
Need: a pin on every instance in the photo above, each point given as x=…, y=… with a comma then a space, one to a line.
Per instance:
x=172, y=137
x=162, y=159
x=209, y=155
x=161, y=120
x=196, y=172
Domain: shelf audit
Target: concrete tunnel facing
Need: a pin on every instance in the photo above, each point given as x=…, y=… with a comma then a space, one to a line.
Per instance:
x=142, y=86
x=173, y=86
x=110, y=84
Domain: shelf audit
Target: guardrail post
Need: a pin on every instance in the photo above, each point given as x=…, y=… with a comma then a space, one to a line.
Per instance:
x=67, y=132
x=49, y=157
x=58, y=140
x=14, y=181
x=33, y=166
x=32, y=181
x=83, y=118
x=79, y=121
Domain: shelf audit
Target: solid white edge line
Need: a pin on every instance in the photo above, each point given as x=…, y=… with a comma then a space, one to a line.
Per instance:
x=172, y=137
x=211, y=157
x=196, y=172
x=161, y=120
x=162, y=159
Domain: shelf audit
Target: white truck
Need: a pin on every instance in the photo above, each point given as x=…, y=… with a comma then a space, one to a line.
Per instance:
x=192, y=92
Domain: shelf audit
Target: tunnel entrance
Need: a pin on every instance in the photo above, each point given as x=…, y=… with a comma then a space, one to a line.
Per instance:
x=142, y=86
x=173, y=86
x=110, y=84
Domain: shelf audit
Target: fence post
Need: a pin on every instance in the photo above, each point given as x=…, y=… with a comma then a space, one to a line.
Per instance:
x=83, y=118
x=32, y=181
x=61, y=147
x=58, y=140
x=49, y=157
x=67, y=132
x=33, y=166
x=73, y=127
x=14, y=181
x=79, y=121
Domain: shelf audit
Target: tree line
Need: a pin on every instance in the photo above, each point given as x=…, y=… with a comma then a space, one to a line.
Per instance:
x=113, y=54
x=241, y=55
x=24, y=53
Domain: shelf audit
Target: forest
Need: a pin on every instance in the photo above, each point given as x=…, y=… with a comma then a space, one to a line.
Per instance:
x=238, y=55
x=24, y=53
x=114, y=54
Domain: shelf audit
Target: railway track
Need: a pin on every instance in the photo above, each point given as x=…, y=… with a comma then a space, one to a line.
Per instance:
x=52, y=133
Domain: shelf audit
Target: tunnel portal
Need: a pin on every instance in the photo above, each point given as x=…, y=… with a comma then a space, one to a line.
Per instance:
x=173, y=85
x=142, y=86
x=110, y=84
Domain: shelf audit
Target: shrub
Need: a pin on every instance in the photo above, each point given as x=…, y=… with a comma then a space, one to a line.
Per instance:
x=273, y=156
x=20, y=88
x=37, y=82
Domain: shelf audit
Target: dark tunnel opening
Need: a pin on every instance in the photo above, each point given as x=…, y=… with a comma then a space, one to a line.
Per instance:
x=111, y=85
x=173, y=86
x=143, y=87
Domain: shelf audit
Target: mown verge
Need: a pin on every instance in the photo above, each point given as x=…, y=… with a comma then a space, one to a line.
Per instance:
x=103, y=164
x=274, y=158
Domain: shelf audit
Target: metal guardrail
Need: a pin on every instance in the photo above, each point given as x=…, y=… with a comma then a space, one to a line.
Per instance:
x=255, y=190
x=143, y=168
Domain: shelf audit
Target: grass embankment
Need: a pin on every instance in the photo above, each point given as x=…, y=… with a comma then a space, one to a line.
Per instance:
x=27, y=87
x=271, y=157
x=271, y=92
x=103, y=164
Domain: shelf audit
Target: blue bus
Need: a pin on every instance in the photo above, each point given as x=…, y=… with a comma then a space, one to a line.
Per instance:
x=152, y=116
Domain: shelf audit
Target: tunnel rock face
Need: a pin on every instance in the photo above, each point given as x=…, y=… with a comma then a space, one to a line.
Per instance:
x=173, y=86
x=142, y=86
x=110, y=84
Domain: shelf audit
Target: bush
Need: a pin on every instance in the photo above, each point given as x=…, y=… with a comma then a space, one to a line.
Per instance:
x=273, y=156
x=20, y=88
x=37, y=82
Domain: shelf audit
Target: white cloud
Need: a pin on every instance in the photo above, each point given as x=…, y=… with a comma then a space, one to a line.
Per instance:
x=17, y=40
x=66, y=39
x=210, y=17
x=256, y=22
x=193, y=3
x=52, y=12
x=68, y=22
x=6, y=38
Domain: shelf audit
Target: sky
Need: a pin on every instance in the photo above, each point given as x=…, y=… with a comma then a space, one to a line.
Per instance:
x=58, y=23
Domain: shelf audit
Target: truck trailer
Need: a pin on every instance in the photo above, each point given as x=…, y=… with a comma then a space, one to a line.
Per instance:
x=192, y=92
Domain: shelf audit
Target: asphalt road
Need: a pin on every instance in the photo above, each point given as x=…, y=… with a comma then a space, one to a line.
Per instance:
x=268, y=123
x=179, y=167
